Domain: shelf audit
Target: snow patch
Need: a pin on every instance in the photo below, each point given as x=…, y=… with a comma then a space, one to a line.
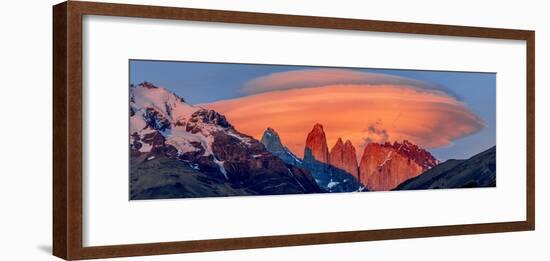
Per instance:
x=167, y=103
x=137, y=123
x=241, y=138
x=295, y=179
x=293, y=156
x=220, y=166
x=181, y=140
x=332, y=183
x=388, y=158
x=181, y=144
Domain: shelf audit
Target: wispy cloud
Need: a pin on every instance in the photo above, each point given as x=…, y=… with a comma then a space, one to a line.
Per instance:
x=375, y=133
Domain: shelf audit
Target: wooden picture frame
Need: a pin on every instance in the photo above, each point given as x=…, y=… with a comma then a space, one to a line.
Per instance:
x=68, y=121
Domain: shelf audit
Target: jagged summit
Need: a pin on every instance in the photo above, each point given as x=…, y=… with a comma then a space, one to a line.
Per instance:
x=414, y=152
x=343, y=156
x=273, y=144
x=384, y=166
x=318, y=127
x=316, y=144
x=147, y=85
x=339, y=142
x=160, y=103
x=271, y=132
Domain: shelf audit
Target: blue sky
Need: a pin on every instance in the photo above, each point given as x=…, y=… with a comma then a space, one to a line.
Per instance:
x=198, y=82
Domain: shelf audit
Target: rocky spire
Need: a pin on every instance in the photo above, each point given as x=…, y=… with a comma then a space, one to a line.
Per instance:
x=342, y=156
x=273, y=144
x=316, y=145
x=271, y=140
x=335, y=156
x=349, y=158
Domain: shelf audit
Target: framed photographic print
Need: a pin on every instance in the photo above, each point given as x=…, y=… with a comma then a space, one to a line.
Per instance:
x=218, y=130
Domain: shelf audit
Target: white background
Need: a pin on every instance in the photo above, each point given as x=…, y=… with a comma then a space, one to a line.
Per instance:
x=109, y=218
x=26, y=158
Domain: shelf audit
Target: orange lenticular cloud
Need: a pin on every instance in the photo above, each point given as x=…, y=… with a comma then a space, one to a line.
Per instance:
x=359, y=112
x=325, y=77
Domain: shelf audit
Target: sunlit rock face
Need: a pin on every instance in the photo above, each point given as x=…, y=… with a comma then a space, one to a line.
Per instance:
x=316, y=145
x=343, y=156
x=317, y=160
x=385, y=166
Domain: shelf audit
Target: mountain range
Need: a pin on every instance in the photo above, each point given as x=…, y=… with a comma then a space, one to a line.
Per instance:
x=382, y=166
x=178, y=150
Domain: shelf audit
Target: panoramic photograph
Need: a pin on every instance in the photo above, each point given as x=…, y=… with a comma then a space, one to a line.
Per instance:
x=199, y=129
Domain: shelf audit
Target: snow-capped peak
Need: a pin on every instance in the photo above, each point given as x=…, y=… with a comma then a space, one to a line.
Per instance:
x=147, y=96
x=186, y=128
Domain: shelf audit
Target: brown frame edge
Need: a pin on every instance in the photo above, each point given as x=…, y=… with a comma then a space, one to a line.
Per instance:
x=67, y=129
